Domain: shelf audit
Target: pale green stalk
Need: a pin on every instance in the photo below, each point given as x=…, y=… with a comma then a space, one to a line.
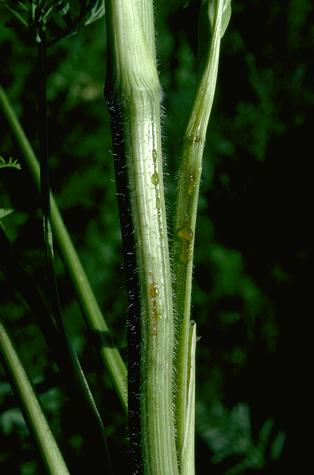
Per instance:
x=35, y=418
x=96, y=322
x=136, y=88
x=188, y=446
x=186, y=207
x=146, y=14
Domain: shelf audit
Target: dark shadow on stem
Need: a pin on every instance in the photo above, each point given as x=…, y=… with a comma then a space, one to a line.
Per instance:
x=132, y=281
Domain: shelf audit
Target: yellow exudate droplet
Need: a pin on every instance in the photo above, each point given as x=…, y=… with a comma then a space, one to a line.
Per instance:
x=155, y=179
x=185, y=233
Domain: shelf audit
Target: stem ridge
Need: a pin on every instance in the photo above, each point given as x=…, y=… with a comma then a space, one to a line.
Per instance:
x=135, y=83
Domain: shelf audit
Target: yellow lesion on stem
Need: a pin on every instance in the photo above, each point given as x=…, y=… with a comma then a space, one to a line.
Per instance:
x=156, y=182
x=153, y=290
x=153, y=293
x=194, y=139
x=185, y=235
x=191, y=183
x=155, y=156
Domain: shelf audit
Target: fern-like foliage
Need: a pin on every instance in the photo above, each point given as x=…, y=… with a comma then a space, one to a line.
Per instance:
x=10, y=163
x=229, y=436
x=4, y=212
x=56, y=18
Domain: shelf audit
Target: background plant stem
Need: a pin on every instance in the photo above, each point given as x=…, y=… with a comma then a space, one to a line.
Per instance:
x=91, y=424
x=48, y=448
x=95, y=320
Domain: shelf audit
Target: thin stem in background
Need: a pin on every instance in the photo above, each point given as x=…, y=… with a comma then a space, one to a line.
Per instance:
x=91, y=423
x=34, y=416
x=88, y=422
x=95, y=320
x=44, y=171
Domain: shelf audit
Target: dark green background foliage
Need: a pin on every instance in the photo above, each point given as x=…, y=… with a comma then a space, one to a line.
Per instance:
x=250, y=294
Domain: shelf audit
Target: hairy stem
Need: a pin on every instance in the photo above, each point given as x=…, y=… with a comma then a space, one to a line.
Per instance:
x=188, y=449
x=186, y=209
x=136, y=90
x=132, y=282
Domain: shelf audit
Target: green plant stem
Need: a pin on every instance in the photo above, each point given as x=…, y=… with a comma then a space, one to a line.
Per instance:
x=136, y=90
x=186, y=211
x=32, y=410
x=188, y=446
x=109, y=354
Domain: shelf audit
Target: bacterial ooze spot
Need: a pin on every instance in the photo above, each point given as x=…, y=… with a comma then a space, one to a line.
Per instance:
x=153, y=290
x=153, y=293
x=191, y=183
x=186, y=234
x=155, y=178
